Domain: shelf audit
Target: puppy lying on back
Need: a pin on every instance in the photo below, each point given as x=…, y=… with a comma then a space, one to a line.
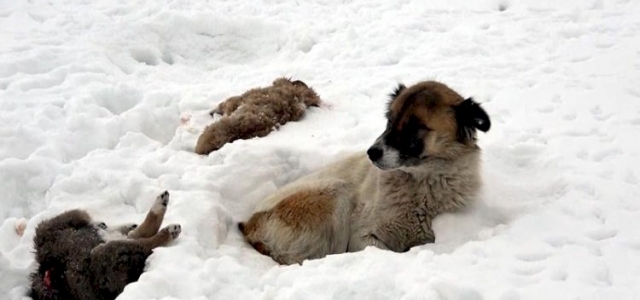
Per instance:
x=256, y=113
x=425, y=163
x=85, y=260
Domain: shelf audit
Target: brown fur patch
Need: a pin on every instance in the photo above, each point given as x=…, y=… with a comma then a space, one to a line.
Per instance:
x=256, y=113
x=252, y=226
x=305, y=209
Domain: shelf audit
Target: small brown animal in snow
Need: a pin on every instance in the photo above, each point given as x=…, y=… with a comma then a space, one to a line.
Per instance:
x=256, y=113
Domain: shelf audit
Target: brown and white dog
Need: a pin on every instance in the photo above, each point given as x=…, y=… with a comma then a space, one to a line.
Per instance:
x=82, y=259
x=425, y=163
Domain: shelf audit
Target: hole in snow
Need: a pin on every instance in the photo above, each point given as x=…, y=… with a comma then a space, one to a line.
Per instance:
x=145, y=55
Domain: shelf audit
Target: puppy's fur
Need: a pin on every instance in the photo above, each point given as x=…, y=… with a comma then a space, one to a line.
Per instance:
x=425, y=163
x=256, y=113
x=81, y=259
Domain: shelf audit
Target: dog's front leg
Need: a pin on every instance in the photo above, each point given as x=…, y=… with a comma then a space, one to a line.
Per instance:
x=374, y=240
x=359, y=242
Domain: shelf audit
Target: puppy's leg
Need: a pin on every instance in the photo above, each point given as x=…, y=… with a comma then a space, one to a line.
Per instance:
x=162, y=238
x=228, y=129
x=154, y=218
x=307, y=224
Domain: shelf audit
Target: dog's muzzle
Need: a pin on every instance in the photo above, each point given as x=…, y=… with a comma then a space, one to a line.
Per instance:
x=383, y=157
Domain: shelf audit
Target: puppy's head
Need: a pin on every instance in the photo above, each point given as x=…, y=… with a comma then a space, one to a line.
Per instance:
x=427, y=120
x=299, y=89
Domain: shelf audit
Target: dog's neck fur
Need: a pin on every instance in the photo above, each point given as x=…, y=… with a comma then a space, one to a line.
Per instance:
x=441, y=185
x=398, y=214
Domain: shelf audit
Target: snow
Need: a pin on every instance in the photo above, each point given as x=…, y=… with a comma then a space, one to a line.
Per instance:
x=101, y=103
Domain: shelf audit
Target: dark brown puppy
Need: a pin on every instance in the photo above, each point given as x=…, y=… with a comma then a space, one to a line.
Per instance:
x=256, y=113
x=85, y=260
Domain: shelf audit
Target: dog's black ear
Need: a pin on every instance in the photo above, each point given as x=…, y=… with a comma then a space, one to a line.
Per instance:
x=470, y=116
x=396, y=92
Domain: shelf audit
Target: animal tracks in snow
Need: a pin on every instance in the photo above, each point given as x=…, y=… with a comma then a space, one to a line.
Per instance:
x=601, y=234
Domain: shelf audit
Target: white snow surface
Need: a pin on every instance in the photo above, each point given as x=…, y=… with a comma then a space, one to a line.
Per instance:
x=101, y=103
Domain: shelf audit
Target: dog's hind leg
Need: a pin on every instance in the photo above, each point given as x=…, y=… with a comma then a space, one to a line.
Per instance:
x=309, y=223
x=152, y=222
x=162, y=238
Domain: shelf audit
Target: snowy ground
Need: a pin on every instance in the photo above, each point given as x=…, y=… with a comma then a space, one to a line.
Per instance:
x=101, y=103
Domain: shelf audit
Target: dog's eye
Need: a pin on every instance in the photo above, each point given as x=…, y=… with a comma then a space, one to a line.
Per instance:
x=415, y=143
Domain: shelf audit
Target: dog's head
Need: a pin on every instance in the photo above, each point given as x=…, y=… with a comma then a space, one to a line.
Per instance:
x=427, y=120
x=300, y=89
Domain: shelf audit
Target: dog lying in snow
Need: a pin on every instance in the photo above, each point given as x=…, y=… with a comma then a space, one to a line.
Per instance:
x=85, y=260
x=256, y=113
x=425, y=163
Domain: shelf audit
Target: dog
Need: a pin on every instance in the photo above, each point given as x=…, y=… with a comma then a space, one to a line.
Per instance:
x=256, y=113
x=81, y=259
x=425, y=163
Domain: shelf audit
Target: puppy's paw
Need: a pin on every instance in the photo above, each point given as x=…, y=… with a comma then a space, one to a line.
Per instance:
x=173, y=230
x=101, y=225
x=161, y=203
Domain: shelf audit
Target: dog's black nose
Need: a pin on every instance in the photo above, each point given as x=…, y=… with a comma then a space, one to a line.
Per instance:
x=374, y=153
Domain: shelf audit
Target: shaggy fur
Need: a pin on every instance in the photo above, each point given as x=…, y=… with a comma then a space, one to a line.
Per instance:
x=425, y=163
x=256, y=113
x=85, y=260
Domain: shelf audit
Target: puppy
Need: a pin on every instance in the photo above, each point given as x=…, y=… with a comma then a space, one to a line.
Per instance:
x=425, y=163
x=256, y=113
x=81, y=259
